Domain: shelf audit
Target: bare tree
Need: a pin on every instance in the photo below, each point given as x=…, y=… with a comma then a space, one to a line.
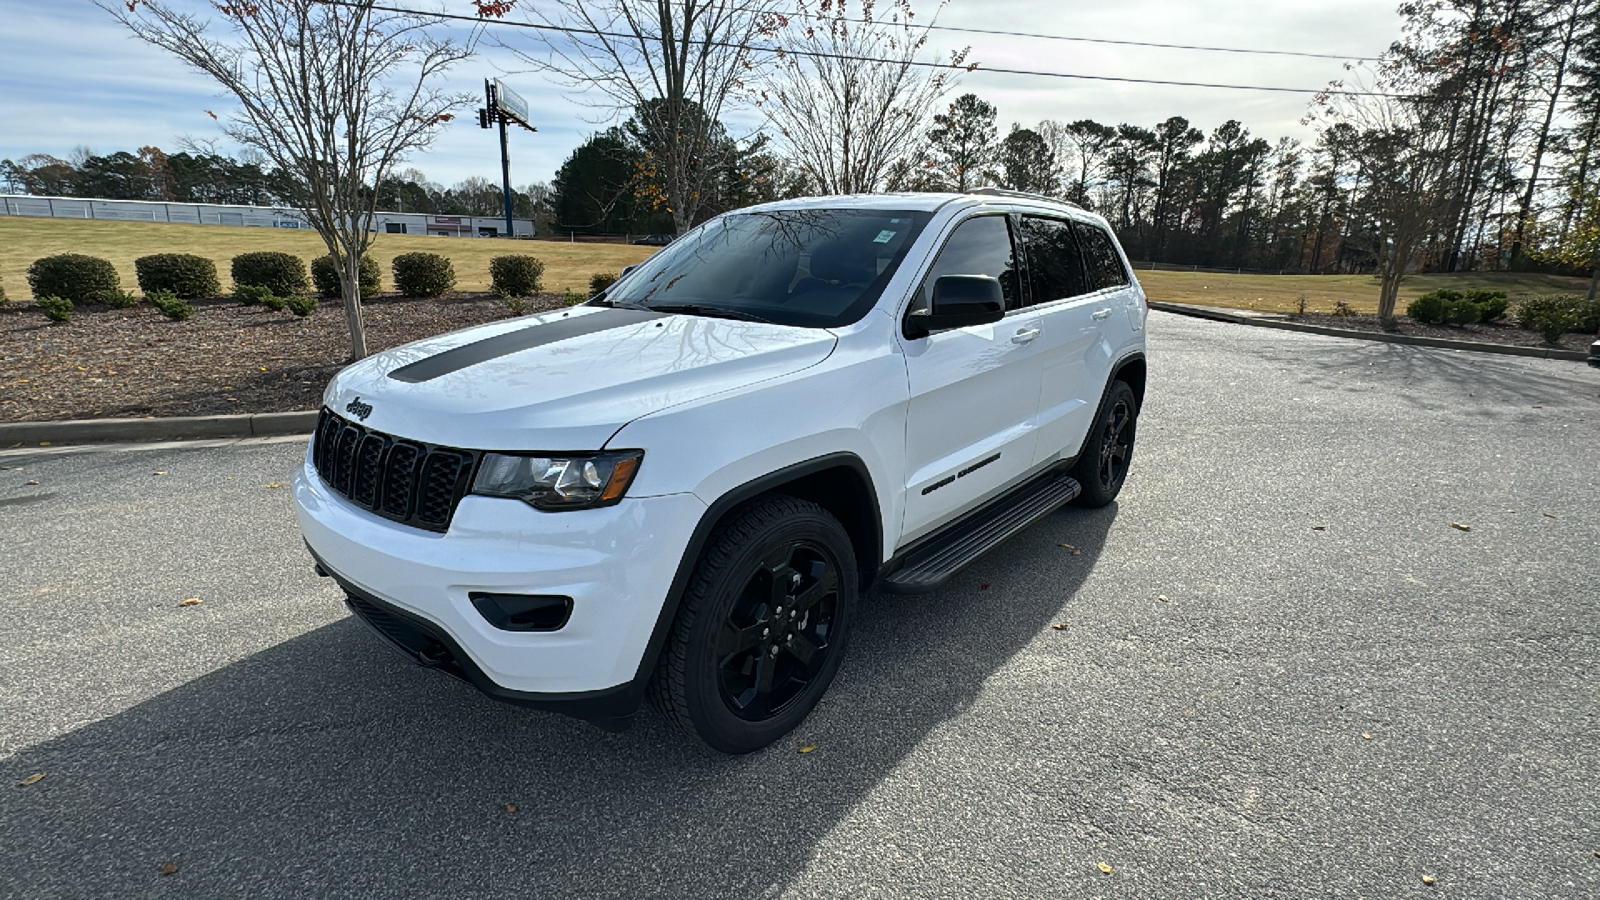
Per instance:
x=1403, y=160
x=673, y=65
x=848, y=99
x=334, y=94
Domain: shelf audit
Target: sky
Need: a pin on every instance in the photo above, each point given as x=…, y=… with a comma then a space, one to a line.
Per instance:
x=72, y=77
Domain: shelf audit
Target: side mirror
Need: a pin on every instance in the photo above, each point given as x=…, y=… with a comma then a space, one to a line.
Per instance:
x=958, y=302
x=626, y=270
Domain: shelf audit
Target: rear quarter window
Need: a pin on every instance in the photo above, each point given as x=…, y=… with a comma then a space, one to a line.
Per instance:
x=1100, y=257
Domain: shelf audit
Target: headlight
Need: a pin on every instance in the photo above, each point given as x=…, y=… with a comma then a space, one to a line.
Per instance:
x=571, y=481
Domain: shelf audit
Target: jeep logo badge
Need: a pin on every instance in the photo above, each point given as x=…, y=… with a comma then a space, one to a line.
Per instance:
x=358, y=409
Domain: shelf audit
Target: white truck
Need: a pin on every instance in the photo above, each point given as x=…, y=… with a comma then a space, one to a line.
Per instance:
x=680, y=489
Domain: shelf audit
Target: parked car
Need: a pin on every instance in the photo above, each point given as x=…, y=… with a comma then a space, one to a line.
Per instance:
x=680, y=489
x=655, y=240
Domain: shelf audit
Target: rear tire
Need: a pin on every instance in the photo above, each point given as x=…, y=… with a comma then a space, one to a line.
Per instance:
x=762, y=626
x=1102, y=467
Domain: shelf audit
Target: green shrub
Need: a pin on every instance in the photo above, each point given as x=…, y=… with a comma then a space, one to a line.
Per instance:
x=120, y=299
x=187, y=276
x=326, y=276
x=423, y=274
x=573, y=298
x=1553, y=321
x=516, y=275
x=273, y=302
x=252, y=294
x=171, y=305
x=73, y=276
x=1461, y=312
x=1491, y=304
x=1535, y=313
x=4, y=301
x=282, y=274
x=599, y=281
x=59, y=309
x=1428, y=309
x=301, y=305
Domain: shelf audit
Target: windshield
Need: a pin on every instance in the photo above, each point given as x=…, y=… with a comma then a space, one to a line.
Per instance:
x=819, y=268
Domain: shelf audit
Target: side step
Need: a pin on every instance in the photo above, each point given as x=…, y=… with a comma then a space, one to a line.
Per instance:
x=928, y=567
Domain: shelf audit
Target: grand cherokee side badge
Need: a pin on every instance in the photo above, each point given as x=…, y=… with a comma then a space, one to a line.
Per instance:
x=358, y=409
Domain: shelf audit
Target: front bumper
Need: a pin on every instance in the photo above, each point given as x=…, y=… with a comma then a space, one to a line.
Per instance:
x=616, y=563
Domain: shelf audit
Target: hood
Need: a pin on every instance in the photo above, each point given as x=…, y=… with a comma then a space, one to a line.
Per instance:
x=564, y=380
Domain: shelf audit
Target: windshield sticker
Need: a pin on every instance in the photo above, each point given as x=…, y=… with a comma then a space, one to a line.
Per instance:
x=884, y=237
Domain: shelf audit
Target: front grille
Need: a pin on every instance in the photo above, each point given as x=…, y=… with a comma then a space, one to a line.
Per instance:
x=407, y=481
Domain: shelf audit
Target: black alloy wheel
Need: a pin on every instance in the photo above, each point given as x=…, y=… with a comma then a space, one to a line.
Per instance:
x=1103, y=465
x=776, y=639
x=762, y=626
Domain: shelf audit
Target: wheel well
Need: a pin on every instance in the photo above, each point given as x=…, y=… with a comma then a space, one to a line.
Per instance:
x=1132, y=372
x=842, y=491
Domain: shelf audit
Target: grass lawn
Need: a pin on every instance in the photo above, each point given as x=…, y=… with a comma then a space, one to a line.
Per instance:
x=1282, y=293
x=23, y=240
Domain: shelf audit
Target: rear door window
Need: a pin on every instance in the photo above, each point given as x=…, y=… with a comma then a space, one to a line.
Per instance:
x=1055, y=267
x=1100, y=257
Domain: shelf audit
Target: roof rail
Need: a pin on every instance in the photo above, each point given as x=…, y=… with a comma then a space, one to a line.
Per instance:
x=1023, y=195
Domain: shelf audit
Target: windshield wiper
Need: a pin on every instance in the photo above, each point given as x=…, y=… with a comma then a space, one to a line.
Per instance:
x=617, y=304
x=715, y=312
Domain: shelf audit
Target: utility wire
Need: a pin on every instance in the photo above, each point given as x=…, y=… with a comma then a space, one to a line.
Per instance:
x=817, y=54
x=1086, y=40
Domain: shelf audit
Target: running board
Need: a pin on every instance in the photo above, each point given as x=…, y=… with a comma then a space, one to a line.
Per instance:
x=929, y=567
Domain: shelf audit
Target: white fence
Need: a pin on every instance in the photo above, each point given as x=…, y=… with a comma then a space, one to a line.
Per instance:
x=248, y=216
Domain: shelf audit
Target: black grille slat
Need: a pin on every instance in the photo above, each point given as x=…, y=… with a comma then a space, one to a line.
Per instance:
x=417, y=484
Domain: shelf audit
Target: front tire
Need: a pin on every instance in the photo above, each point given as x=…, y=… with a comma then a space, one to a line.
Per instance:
x=762, y=626
x=1102, y=467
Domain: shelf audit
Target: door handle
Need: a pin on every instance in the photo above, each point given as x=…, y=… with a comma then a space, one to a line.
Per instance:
x=1102, y=313
x=1024, y=335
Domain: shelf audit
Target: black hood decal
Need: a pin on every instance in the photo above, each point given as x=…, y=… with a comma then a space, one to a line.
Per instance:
x=458, y=358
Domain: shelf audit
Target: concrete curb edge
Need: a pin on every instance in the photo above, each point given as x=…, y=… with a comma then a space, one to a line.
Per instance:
x=1219, y=315
x=157, y=429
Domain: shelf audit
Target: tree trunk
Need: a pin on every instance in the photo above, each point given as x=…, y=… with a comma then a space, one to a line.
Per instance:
x=350, y=286
x=1594, y=281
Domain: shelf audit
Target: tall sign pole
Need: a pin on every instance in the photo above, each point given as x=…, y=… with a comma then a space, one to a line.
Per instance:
x=502, y=105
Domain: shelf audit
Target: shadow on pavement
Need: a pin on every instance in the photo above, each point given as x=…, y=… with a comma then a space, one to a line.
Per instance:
x=328, y=766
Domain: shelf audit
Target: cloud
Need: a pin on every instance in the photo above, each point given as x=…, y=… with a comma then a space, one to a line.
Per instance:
x=72, y=76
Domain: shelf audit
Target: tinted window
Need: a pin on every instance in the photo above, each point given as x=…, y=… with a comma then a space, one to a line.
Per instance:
x=1055, y=270
x=979, y=246
x=813, y=267
x=1101, y=258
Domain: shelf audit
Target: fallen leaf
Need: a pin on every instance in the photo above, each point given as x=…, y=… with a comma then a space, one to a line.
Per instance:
x=31, y=779
x=984, y=586
x=1427, y=879
x=34, y=481
x=808, y=748
x=509, y=807
x=192, y=601
x=1319, y=528
x=1106, y=868
x=169, y=868
x=1075, y=550
x=1460, y=527
x=44, y=443
x=274, y=485
x=1164, y=598
x=158, y=473
x=1547, y=515
x=1060, y=626
x=1365, y=736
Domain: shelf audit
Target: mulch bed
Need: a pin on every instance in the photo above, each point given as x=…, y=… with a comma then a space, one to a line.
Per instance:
x=226, y=358
x=1486, y=332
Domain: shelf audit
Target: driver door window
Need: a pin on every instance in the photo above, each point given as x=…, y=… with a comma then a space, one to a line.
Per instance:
x=980, y=246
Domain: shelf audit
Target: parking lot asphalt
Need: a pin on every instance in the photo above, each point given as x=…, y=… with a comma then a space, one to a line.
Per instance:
x=1275, y=668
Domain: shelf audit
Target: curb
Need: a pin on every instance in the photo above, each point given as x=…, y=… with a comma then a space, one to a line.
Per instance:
x=1261, y=321
x=174, y=428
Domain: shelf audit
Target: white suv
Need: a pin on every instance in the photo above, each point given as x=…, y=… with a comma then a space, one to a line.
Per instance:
x=680, y=488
